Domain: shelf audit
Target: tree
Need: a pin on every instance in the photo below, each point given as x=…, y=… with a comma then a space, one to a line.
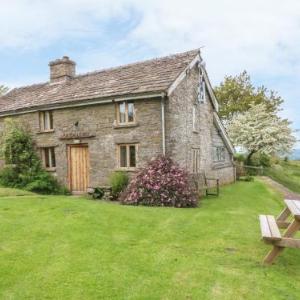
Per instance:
x=259, y=130
x=237, y=94
x=23, y=166
x=3, y=90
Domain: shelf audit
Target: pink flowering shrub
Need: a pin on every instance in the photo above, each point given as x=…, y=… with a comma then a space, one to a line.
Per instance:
x=160, y=183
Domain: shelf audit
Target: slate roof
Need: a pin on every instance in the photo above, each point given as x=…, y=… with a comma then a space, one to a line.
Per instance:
x=155, y=75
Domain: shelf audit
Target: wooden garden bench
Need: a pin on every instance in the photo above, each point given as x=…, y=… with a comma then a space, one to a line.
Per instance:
x=202, y=183
x=271, y=234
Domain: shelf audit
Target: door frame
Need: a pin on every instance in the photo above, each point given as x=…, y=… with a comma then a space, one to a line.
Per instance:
x=69, y=159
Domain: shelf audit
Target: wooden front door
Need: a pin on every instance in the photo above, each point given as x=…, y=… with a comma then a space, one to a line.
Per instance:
x=79, y=166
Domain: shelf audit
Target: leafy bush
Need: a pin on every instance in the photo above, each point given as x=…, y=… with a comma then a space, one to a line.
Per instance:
x=246, y=178
x=24, y=168
x=45, y=183
x=98, y=193
x=160, y=183
x=239, y=157
x=118, y=181
x=8, y=177
x=260, y=159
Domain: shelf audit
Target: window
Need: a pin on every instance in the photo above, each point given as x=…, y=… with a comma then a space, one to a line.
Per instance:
x=194, y=119
x=201, y=88
x=46, y=121
x=195, y=161
x=48, y=156
x=219, y=153
x=125, y=112
x=127, y=155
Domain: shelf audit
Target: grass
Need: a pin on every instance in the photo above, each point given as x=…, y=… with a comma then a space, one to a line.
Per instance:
x=58, y=247
x=8, y=192
x=286, y=173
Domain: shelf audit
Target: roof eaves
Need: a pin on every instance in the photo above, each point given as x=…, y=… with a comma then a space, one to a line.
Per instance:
x=82, y=102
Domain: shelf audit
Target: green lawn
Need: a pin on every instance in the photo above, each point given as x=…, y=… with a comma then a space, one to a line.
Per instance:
x=286, y=173
x=72, y=248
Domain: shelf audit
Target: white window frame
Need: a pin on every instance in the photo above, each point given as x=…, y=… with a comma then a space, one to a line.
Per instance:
x=126, y=113
x=46, y=121
x=127, y=167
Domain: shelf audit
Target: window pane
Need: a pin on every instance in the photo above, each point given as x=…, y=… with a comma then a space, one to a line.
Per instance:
x=41, y=120
x=123, y=157
x=47, y=158
x=122, y=117
x=46, y=120
x=52, y=150
x=194, y=118
x=130, y=112
x=132, y=156
x=50, y=120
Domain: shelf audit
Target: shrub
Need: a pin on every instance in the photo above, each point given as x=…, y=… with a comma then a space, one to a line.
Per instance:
x=8, y=177
x=24, y=168
x=239, y=157
x=246, y=178
x=45, y=183
x=260, y=159
x=98, y=193
x=118, y=181
x=160, y=183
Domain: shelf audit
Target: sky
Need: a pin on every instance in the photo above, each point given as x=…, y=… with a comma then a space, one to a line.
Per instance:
x=262, y=37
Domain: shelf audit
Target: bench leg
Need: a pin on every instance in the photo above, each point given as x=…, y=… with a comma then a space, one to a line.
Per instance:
x=272, y=255
x=283, y=215
x=290, y=232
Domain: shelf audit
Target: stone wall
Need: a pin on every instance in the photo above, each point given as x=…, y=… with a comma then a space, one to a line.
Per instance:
x=98, y=123
x=181, y=137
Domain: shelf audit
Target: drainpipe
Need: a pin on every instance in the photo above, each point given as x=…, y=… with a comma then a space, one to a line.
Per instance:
x=163, y=128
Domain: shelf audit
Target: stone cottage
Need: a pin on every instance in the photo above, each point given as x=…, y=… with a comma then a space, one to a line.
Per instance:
x=87, y=126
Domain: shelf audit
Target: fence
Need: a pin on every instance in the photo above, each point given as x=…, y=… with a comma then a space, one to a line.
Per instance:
x=244, y=170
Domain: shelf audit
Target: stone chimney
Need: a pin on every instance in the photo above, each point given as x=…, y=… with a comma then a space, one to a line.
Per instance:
x=62, y=70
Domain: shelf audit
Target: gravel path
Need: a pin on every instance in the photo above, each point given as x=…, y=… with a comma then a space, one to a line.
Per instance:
x=287, y=194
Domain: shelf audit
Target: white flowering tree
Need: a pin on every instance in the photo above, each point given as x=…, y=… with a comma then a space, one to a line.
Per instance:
x=258, y=130
x=3, y=90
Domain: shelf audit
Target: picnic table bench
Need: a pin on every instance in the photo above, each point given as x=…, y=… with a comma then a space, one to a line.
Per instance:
x=270, y=229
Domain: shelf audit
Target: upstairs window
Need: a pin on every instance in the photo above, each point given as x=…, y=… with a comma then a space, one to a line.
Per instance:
x=48, y=157
x=201, y=88
x=194, y=119
x=219, y=154
x=127, y=155
x=46, y=121
x=125, y=112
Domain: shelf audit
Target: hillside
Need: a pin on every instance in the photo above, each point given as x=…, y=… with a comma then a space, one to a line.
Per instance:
x=286, y=173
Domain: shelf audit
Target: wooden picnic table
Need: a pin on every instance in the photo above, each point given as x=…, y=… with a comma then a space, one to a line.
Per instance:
x=271, y=233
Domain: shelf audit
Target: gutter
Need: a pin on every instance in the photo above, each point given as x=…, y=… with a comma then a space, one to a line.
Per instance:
x=163, y=127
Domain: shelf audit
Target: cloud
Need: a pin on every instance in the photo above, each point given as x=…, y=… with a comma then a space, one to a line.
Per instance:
x=262, y=37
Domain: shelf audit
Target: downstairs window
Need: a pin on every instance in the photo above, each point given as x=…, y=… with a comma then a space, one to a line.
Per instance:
x=127, y=155
x=48, y=158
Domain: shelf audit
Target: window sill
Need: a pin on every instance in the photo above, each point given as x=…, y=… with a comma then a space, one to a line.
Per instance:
x=127, y=125
x=46, y=131
x=221, y=165
x=51, y=169
x=126, y=169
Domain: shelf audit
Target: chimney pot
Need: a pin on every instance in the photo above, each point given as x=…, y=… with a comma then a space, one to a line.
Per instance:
x=62, y=70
